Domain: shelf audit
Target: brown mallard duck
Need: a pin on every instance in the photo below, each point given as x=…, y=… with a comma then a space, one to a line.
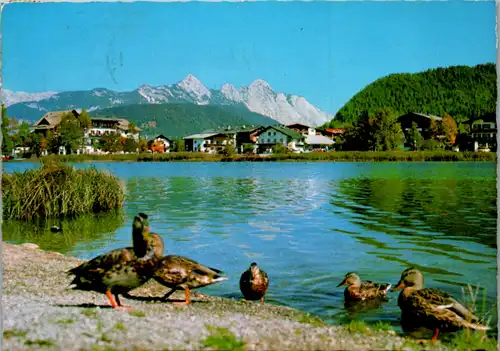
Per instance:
x=357, y=290
x=431, y=308
x=182, y=273
x=121, y=270
x=254, y=283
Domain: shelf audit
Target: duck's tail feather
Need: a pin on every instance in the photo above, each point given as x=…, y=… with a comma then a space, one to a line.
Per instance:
x=219, y=278
x=218, y=271
x=386, y=288
x=475, y=326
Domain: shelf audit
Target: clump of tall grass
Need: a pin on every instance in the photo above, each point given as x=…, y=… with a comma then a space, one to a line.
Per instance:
x=58, y=190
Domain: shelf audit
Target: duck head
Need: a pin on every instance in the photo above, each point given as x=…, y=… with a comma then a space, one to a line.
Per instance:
x=140, y=234
x=254, y=269
x=350, y=278
x=411, y=278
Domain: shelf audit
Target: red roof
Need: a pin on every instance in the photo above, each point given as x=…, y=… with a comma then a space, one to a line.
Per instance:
x=335, y=130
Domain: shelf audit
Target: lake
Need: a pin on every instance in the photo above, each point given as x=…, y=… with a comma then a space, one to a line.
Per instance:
x=306, y=224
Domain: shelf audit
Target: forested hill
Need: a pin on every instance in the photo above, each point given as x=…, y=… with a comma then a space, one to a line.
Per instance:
x=461, y=91
x=178, y=120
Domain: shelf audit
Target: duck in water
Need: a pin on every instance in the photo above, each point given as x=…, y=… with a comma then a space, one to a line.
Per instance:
x=254, y=283
x=358, y=290
x=121, y=270
x=431, y=308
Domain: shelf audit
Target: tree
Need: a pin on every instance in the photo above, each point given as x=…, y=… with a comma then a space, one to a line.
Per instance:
x=111, y=142
x=131, y=128
x=143, y=144
x=387, y=134
x=6, y=139
x=414, y=137
x=85, y=120
x=36, y=144
x=70, y=132
x=130, y=145
x=378, y=131
x=248, y=148
x=450, y=130
x=228, y=150
x=157, y=146
x=179, y=145
x=279, y=149
x=435, y=129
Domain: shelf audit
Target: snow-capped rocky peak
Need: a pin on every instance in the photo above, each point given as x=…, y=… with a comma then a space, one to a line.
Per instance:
x=260, y=84
x=9, y=97
x=151, y=94
x=230, y=92
x=192, y=85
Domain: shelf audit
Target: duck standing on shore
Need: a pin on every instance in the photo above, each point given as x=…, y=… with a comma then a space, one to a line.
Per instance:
x=357, y=290
x=121, y=270
x=431, y=308
x=254, y=283
x=182, y=273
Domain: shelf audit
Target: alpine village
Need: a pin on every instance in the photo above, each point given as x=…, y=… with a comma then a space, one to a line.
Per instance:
x=442, y=109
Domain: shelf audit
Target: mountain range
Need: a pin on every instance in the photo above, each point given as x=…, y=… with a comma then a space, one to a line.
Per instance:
x=258, y=97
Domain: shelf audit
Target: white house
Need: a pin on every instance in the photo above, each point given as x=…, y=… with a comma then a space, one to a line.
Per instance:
x=280, y=135
x=102, y=126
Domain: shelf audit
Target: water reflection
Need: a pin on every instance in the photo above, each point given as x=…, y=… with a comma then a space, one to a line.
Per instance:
x=95, y=232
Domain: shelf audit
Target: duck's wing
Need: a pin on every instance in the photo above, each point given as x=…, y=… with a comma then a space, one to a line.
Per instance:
x=265, y=277
x=95, y=268
x=441, y=305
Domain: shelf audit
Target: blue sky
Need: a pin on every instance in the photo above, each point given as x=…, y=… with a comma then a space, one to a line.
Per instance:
x=324, y=51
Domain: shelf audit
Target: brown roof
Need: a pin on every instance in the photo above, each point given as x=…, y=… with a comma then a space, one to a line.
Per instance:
x=54, y=117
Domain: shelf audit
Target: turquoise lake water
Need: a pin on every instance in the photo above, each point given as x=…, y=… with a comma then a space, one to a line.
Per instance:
x=306, y=224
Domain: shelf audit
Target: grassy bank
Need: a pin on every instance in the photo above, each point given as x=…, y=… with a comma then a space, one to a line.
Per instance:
x=56, y=190
x=342, y=156
x=35, y=289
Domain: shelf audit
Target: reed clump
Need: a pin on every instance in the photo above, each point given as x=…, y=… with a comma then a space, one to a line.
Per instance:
x=58, y=190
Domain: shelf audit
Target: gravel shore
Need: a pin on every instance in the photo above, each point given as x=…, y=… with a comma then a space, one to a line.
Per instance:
x=41, y=313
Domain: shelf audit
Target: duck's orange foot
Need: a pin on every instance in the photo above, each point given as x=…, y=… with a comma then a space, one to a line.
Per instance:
x=422, y=341
x=124, y=308
x=179, y=303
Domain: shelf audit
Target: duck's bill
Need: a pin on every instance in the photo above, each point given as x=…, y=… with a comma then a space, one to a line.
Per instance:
x=399, y=286
x=343, y=283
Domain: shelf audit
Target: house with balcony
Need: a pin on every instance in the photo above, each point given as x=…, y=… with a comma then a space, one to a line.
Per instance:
x=100, y=126
x=483, y=133
x=279, y=135
x=208, y=141
x=302, y=129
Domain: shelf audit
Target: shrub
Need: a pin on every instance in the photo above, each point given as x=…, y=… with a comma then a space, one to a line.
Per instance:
x=57, y=190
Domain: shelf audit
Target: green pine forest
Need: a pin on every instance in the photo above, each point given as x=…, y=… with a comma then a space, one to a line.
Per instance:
x=461, y=91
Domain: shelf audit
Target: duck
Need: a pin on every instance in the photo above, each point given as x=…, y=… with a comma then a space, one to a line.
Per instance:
x=121, y=270
x=431, y=308
x=254, y=283
x=182, y=273
x=358, y=290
